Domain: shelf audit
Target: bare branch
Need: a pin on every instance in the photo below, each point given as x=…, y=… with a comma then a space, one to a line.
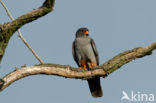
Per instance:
x=7, y=29
x=29, y=47
x=7, y=10
x=70, y=72
x=20, y=34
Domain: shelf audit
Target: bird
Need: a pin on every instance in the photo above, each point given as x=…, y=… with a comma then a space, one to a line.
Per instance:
x=86, y=56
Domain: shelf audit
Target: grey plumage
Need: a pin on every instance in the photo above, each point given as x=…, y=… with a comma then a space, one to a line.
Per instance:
x=84, y=48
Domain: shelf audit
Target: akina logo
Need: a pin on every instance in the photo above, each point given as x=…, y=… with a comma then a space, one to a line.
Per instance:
x=137, y=97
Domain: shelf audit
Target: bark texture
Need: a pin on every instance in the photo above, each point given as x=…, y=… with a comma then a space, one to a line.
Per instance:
x=8, y=29
x=77, y=73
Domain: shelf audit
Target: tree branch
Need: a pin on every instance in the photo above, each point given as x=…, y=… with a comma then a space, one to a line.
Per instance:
x=20, y=34
x=7, y=29
x=71, y=72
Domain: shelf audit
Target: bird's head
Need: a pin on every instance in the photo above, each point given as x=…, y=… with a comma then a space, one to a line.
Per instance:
x=82, y=32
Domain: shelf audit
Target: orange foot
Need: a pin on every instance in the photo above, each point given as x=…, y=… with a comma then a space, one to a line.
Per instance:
x=92, y=64
x=83, y=67
x=83, y=63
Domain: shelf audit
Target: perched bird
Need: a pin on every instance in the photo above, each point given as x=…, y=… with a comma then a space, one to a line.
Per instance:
x=86, y=56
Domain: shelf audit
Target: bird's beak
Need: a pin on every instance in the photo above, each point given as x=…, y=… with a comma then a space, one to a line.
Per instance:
x=86, y=32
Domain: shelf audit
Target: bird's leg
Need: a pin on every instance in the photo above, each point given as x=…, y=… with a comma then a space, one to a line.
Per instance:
x=92, y=64
x=83, y=67
x=83, y=63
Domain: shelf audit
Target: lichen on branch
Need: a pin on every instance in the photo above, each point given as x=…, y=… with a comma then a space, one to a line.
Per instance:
x=8, y=29
x=77, y=73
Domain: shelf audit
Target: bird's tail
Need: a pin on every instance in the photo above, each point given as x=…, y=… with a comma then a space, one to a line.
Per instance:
x=95, y=87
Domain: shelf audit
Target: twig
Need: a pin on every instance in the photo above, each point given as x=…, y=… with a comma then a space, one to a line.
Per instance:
x=20, y=34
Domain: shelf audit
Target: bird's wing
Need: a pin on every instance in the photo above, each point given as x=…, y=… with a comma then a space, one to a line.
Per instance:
x=74, y=53
x=95, y=50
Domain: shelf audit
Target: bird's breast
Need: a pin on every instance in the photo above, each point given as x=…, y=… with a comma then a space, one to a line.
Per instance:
x=85, y=49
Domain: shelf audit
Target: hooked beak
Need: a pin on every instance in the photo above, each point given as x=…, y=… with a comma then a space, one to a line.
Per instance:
x=86, y=32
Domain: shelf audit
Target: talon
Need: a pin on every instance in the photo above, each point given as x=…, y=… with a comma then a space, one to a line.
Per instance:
x=83, y=63
x=85, y=67
x=92, y=64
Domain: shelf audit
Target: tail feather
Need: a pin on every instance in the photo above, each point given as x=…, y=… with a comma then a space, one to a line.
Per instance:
x=95, y=87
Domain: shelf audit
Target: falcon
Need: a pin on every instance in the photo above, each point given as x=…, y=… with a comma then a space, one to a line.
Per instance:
x=86, y=56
